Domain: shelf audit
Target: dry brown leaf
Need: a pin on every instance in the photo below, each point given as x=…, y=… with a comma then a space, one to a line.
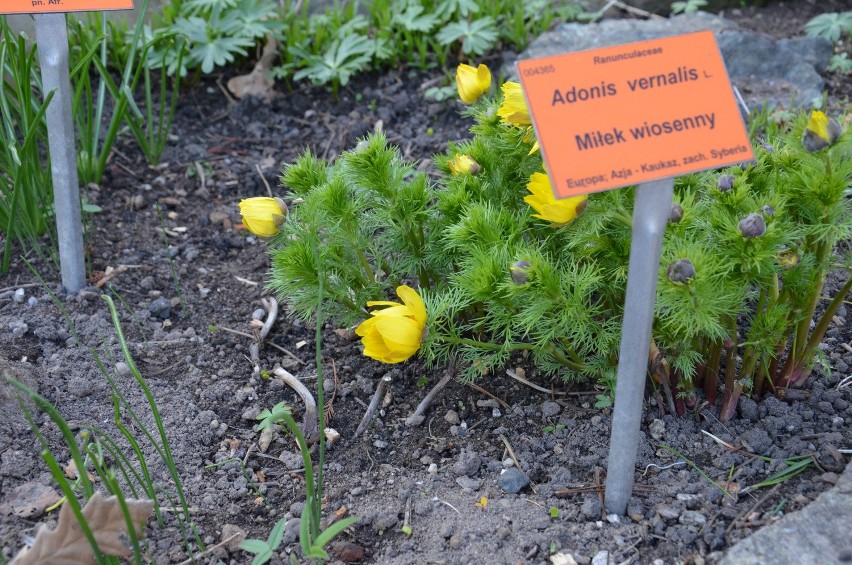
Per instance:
x=29, y=500
x=67, y=545
x=258, y=82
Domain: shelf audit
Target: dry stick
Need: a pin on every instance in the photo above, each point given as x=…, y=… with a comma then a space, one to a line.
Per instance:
x=549, y=392
x=381, y=389
x=417, y=417
x=754, y=507
x=263, y=178
x=309, y=426
x=271, y=307
x=278, y=347
x=211, y=549
x=485, y=392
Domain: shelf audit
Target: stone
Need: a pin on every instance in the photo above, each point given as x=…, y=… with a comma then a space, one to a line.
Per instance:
x=160, y=308
x=468, y=483
x=550, y=408
x=513, y=480
x=765, y=70
x=467, y=464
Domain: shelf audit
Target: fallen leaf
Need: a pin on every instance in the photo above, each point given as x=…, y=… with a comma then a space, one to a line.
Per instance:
x=29, y=500
x=258, y=82
x=66, y=545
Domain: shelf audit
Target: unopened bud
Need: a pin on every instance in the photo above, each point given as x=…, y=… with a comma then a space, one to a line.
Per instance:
x=788, y=259
x=752, y=225
x=520, y=271
x=820, y=132
x=725, y=183
x=767, y=210
x=675, y=214
x=681, y=271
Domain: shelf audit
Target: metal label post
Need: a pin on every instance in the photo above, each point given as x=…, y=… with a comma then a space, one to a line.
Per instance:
x=52, y=42
x=653, y=203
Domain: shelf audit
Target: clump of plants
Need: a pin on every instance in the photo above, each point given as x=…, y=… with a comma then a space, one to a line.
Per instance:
x=487, y=264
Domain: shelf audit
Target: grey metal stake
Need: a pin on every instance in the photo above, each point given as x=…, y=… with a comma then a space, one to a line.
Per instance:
x=653, y=203
x=52, y=42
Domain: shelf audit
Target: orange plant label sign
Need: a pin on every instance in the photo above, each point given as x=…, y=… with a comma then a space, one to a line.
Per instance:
x=44, y=6
x=634, y=113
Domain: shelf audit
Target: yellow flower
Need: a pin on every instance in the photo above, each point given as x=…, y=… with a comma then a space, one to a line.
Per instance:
x=514, y=109
x=263, y=215
x=558, y=212
x=472, y=83
x=394, y=333
x=463, y=164
x=821, y=132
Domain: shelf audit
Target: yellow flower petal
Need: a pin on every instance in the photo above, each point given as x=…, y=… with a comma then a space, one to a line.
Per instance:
x=514, y=109
x=472, y=82
x=463, y=164
x=413, y=301
x=393, y=334
x=541, y=199
x=263, y=215
x=820, y=132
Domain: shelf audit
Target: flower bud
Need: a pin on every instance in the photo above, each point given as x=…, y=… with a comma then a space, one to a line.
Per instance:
x=263, y=215
x=788, y=259
x=520, y=272
x=681, y=271
x=463, y=164
x=752, y=225
x=675, y=214
x=472, y=82
x=767, y=210
x=820, y=132
x=725, y=183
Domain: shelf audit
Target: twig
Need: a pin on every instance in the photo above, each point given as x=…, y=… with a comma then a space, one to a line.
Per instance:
x=486, y=393
x=271, y=307
x=246, y=281
x=599, y=486
x=510, y=450
x=448, y=504
x=17, y=286
x=416, y=418
x=630, y=10
x=276, y=346
x=663, y=467
x=755, y=506
x=548, y=391
x=378, y=395
x=309, y=425
x=199, y=169
x=329, y=406
x=210, y=549
x=263, y=178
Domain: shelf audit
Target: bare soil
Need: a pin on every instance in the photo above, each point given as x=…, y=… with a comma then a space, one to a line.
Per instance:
x=432, y=476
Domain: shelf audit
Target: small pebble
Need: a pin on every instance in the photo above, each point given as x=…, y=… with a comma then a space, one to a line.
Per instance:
x=513, y=480
x=18, y=297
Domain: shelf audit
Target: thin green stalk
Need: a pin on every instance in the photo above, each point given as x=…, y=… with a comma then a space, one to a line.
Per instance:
x=698, y=469
x=317, y=501
x=168, y=460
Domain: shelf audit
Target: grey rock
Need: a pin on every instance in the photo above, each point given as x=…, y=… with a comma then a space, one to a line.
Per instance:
x=550, y=408
x=513, y=480
x=758, y=439
x=291, y=531
x=160, y=308
x=766, y=70
x=385, y=520
x=467, y=464
x=657, y=429
x=819, y=533
x=468, y=483
x=748, y=409
x=18, y=296
x=452, y=417
x=692, y=518
x=603, y=557
x=591, y=508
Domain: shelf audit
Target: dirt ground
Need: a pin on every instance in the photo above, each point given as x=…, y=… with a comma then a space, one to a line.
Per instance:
x=431, y=477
